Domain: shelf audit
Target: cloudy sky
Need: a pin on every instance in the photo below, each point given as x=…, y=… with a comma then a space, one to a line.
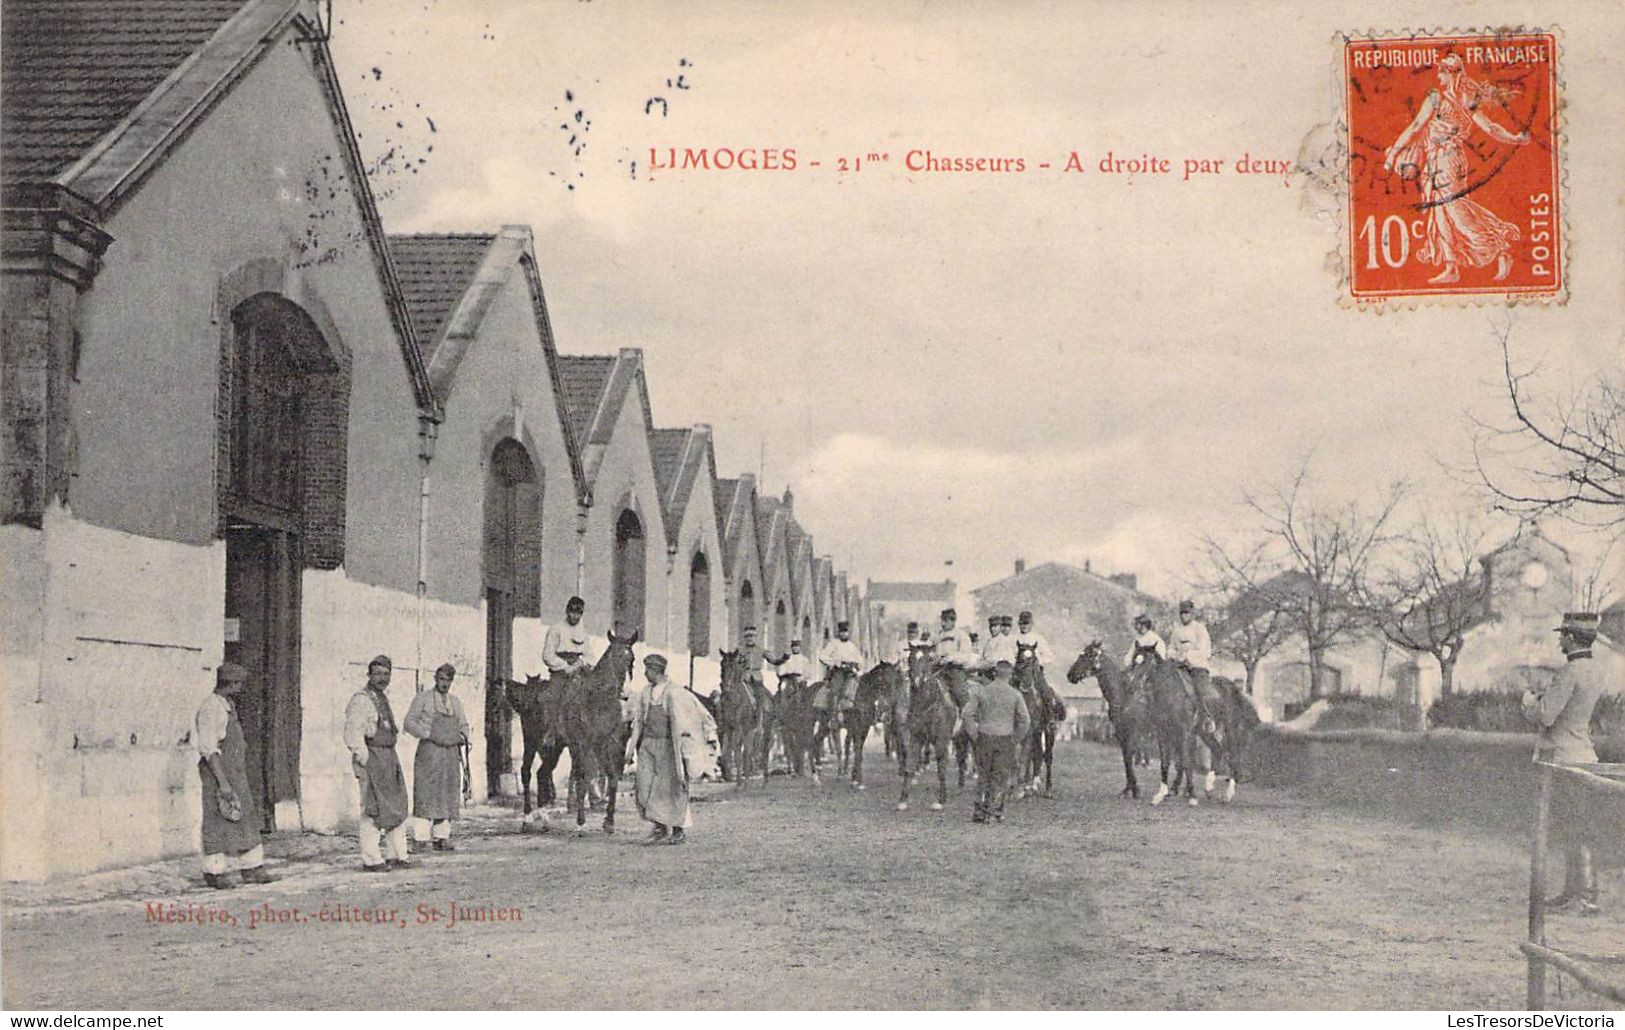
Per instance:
x=974, y=367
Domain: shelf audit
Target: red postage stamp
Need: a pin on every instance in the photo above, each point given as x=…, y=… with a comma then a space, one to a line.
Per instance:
x=1453, y=176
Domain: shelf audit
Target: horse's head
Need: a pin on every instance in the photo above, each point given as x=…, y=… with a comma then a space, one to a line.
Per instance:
x=1026, y=656
x=1087, y=663
x=919, y=661
x=1145, y=653
x=618, y=656
x=733, y=669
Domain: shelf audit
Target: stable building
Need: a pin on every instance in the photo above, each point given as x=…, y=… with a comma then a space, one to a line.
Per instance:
x=624, y=577
x=745, y=581
x=696, y=589
x=506, y=489
x=779, y=598
x=216, y=416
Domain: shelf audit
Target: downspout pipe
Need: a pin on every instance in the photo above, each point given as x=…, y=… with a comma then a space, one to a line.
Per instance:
x=428, y=433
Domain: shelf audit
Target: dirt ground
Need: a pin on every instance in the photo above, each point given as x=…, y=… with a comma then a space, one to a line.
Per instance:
x=804, y=896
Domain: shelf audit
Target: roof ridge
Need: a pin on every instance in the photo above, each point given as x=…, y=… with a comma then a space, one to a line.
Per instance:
x=443, y=235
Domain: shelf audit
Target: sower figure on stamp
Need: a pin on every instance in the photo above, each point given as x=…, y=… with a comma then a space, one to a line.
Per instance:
x=370, y=734
x=674, y=740
x=231, y=817
x=1563, y=713
x=996, y=718
x=437, y=719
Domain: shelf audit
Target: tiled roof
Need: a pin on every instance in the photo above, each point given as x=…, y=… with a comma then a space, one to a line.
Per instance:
x=666, y=447
x=435, y=271
x=942, y=590
x=582, y=378
x=74, y=69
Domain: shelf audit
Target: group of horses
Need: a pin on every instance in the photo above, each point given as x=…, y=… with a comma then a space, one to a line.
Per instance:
x=1153, y=708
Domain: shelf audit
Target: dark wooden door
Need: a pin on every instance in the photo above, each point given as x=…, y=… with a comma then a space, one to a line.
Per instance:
x=262, y=613
x=499, y=668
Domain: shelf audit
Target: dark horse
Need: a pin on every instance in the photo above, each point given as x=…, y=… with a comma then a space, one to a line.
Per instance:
x=1046, y=711
x=1128, y=710
x=878, y=691
x=1176, y=717
x=536, y=701
x=930, y=724
x=595, y=728
x=798, y=726
x=739, y=719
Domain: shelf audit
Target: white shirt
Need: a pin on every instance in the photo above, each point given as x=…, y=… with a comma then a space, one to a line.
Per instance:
x=1000, y=647
x=561, y=636
x=840, y=652
x=796, y=665
x=209, y=728
x=1033, y=638
x=360, y=722
x=1147, y=639
x=954, y=646
x=1189, y=643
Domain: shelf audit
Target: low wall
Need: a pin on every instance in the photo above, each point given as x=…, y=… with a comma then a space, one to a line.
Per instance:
x=1486, y=780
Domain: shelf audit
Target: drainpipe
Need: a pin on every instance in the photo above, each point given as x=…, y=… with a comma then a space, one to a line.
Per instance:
x=581, y=546
x=428, y=432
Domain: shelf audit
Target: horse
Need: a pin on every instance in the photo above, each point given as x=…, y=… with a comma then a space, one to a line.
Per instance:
x=595, y=726
x=878, y=690
x=929, y=724
x=833, y=698
x=1127, y=709
x=1046, y=711
x=536, y=702
x=1234, y=720
x=738, y=717
x=1176, y=716
x=798, y=723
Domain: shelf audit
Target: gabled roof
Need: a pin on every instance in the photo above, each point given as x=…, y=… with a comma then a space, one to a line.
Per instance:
x=75, y=69
x=681, y=456
x=594, y=388
x=736, y=524
x=450, y=281
x=943, y=591
x=436, y=271
x=96, y=93
x=823, y=579
x=1070, y=575
x=771, y=523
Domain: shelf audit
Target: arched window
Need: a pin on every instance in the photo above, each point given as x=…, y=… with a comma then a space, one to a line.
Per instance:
x=628, y=574
x=807, y=641
x=781, y=628
x=699, y=605
x=511, y=570
x=747, y=610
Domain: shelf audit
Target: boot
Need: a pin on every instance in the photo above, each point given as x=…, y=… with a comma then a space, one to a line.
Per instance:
x=257, y=875
x=677, y=837
x=219, y=881
x=444, y=844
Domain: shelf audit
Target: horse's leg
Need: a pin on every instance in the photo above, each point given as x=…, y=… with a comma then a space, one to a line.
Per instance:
x=1131, y=785
x=961, y=747
x=942, y=775
x=578, y=785
x=527, y=755
x=856, y=743
x=1217, y=747
x=905, y=772
x=1163, y=761
x=612, y=763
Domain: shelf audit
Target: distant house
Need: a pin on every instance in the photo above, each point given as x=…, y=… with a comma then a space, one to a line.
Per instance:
x=893, y=605
x=1073, y=606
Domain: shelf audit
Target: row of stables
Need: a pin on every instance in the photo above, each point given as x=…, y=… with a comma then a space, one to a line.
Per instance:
x=241, y=422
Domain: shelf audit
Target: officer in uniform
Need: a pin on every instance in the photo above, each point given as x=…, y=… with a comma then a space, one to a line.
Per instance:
x=841, y=660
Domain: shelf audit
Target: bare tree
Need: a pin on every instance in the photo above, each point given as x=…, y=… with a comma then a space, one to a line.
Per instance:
x=1556, y=457
x=1321, y=556
x=1595, y=586
x=1435, y=591
x=1246, y=626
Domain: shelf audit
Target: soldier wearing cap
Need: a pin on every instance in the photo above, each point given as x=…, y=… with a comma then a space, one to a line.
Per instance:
x=750, y=655
x=996, y=718
x=1146, y=642
x=841, y=660
x=674, y=740
x=793, y=669
x=565, y=648
x=370, y=734
x=437, y=719
x=955, y=654
x=1563, y=713
x=231, y=816
x=1000, y=645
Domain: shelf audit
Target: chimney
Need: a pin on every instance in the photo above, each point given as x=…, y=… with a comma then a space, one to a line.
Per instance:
x=1125, y=579
x=1021, y=566
x=1086, y=567
x=789, y=501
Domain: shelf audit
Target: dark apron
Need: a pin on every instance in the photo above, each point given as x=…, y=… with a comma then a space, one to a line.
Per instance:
x=437, y=775
x=384, y=793
x=221, y=836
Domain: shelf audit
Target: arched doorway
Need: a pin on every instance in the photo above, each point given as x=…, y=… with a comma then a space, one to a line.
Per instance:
x=781, y=628
x=628, y=574
x=699, y=605
x=747, y=610
x=511, y=571
x=808, y=644
x=271, y=366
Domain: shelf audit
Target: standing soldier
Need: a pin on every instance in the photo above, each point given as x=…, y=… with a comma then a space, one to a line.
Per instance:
x=996, y=719
x=1563, y=713
x=369, y=733
x=436, y=718
x=672, y=738
x=565, y=648
x=231, y=817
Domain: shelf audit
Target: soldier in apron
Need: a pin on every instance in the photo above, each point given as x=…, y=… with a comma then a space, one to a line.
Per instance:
x=231, y=816
x=369, y=733
x=437, y=719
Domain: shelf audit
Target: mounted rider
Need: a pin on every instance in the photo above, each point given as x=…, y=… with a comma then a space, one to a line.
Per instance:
x=792, y=669
x=1000, y=645
x=1190, y=648
x=566, y=647
x=750, y=658
x=1029, y=639
x=955, y=656
x=841, y=660
x=1146, y=643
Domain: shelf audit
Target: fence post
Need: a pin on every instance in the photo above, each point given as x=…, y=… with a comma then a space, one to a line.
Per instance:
x=1535, y=996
